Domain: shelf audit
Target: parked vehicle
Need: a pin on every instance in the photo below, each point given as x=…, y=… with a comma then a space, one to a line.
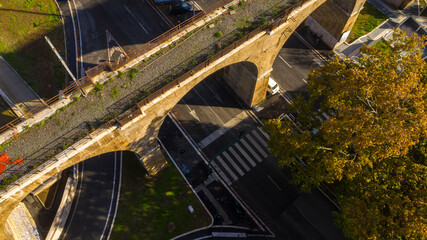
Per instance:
x=273, y=87
x=181, y=8
x=164, y=2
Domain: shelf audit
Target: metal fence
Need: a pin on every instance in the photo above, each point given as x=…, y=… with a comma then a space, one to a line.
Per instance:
x=90, y=73
x=282, y=18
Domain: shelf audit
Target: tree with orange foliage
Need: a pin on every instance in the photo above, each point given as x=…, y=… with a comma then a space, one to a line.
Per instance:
x=372, y=149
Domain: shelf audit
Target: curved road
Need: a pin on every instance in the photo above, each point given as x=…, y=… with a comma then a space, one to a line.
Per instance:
x=96, y=199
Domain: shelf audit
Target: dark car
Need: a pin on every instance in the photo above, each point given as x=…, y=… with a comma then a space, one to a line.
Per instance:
x=164, y=2
x=181, y=8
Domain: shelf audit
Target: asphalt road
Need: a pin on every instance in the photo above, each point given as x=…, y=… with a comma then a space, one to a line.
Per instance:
x=95, y=201
x=129, y=24
x=215, y=122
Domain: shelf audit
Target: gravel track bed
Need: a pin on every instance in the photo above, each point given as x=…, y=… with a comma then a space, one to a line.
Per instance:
x=40, y=143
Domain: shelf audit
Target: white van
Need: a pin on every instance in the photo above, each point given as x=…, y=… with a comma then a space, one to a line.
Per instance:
x=273, y=87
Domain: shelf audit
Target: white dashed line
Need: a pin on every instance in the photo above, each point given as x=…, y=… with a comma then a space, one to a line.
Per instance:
x=143, y=28
x=285, y=61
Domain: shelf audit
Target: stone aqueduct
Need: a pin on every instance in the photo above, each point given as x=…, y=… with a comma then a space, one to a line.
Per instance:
x=137, y=129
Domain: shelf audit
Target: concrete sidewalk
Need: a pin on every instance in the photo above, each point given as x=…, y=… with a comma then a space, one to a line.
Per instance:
x=384, y=30
x=15, y=91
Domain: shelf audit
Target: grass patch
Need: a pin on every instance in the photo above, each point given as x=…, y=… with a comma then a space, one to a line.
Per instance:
x=114, y=92
x=218, y=34
x=149, y=203
x=22, y=43
x=8, y=181
x=368, y=19
x=98, y=87
x=382, y=46
x=132, y=73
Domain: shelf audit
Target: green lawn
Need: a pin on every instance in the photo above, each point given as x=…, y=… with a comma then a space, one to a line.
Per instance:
x=368, y=19
x=149, y=204
x=23, y=25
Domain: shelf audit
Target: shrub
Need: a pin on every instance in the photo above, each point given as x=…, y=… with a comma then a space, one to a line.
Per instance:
x=218, y=34
x=98, y=87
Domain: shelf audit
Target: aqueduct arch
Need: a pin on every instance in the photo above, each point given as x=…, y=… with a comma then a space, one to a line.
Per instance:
x=137, y=129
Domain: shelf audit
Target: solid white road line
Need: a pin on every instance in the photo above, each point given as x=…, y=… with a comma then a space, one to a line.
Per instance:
x=82, y=70
x=237, y=156
x=230, y=160
x=112, y=196
x=143, y=28
x=227, y=168
x=285, y=61
x=257, y=157
x=75, y=37
x=167, y=21
x=118, y=195
x=259, y=138
x=264, y=133
x=240, y=149
x=257, y=146
x=78, y=196
x=275, y=184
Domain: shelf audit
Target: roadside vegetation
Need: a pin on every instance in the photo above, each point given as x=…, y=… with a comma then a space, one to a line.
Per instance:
x=368, y=19
x=23, y=25
x=155, y=207
x=372, y=150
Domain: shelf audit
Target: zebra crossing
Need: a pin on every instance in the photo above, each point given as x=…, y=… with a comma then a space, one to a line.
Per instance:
x=243, y=155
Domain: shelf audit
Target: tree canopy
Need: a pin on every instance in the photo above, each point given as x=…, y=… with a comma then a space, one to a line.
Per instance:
x=372, y=147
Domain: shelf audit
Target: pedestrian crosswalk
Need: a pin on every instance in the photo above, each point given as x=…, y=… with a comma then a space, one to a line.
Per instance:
x=243, y=155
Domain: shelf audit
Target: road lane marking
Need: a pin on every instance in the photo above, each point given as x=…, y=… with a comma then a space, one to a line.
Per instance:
x=112, y=196
x=118, y=195
x=75, y=38
x=78, y=195
x=257, y=157
x=264, y=133
x=143, y=28
x=237, y=156
x=208, y=105
x=167, y=21
x=240, y=149
x=82, y=70
x=289, y=101
x=257, y=146
x=259, y=138
x=223, y=129
x=316, y=53
x=233, y=163
x=285, y=61
x=227, y=168
x=275, y=184
x=192, y=111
